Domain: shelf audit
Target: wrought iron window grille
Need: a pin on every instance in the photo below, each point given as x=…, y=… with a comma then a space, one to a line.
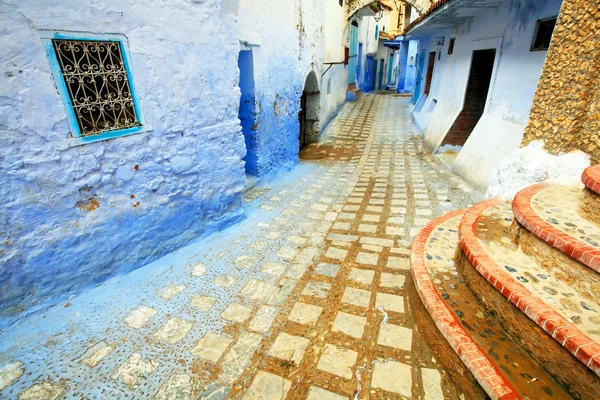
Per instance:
x=98, y=85
x=93, y=78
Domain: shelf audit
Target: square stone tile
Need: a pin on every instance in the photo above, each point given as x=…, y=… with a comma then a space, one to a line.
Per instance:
x=371, y=218
x=375, y=209
x=357, y=297
x=198, y=270
x=236, y=312
x=289, y=347
x=258, y=290
x=305, y=313
x=343, y=226
x=267, y=386
x=203, y=303
x=367, y=258
x=393, y=377
x=392, y=280
x=398, y=263
x=43, y=391
x=347, y=216
x=140, y=316
x=336, y=254
x=432, y=384
x=367, y=228
x=263, y=319
x=394, y=230
x=361, y=275
x=350, y=324
x=327, y=269
x=172, y=291
x=273, y=268
x=173, y=330
x=211, y=347
x=337, y=360
x=245, y=261
x=225, y=281
x=317, y=289
x=395, y=336
x=390, y=302
x=316, y=393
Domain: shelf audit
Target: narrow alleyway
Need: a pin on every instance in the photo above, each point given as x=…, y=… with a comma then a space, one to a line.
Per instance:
x=303, y=299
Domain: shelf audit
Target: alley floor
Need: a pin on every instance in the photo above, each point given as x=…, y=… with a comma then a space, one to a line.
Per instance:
x=304, y=299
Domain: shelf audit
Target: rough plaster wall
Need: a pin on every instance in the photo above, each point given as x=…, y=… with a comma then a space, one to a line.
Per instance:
x=291, y=46
x=353, y=6
x=189, y=173
x=566, y=109
x=512, y=88
x=532, y=164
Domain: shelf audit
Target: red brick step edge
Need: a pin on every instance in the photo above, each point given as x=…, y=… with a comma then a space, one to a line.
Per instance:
x=564, y=332
x=591, y=178
x=571, y=246
x=474, y=358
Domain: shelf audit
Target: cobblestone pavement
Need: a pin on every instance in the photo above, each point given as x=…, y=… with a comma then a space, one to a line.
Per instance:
x=303, y=299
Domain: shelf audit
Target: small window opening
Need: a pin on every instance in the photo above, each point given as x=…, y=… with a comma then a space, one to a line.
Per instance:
x=543, y=34
x=451, y=46
x=341, y=3
x=98, y=85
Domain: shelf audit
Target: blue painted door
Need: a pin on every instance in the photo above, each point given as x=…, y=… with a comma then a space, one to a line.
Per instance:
x=381, y=72
x=367, y=86
x=419, y=73
x=352, y=56
x=359, y=63
x=390, y=69
x=374, y=76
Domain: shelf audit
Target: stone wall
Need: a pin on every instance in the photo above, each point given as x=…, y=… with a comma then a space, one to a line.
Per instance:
x=71, y=217
x=566, y=109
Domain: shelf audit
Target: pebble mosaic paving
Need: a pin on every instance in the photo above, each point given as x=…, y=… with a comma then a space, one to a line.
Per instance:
x=304, y=299
x=558, y=205
x=504, y=353
x=493, y=232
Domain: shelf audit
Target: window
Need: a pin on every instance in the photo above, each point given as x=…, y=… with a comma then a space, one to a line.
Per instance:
x=376, y=32
x=341, y=3
x=95, y=84
x=451, y=46
x=543, y=34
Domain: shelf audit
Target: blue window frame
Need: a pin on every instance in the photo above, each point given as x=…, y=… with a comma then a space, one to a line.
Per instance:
x=376, y=32
x=93, y=77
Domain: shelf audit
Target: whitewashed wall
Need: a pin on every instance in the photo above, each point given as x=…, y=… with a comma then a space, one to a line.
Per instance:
x=509, y=29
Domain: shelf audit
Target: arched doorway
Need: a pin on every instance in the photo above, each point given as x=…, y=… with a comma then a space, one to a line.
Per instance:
x=310, y=110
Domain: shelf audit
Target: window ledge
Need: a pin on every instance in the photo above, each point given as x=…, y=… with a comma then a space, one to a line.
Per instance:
x=80, y=141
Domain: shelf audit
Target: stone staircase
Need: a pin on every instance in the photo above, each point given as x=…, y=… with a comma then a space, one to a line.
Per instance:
x=508, y=296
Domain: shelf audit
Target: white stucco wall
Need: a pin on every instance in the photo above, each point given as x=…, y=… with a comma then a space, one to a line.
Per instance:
x=509, y=29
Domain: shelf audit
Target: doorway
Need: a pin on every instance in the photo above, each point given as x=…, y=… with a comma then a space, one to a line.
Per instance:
x=247, y=110
x=478, y=85
x=429, y=78
x=310, y=111
x=352, y=53
x=419, y=75
x=381, y=72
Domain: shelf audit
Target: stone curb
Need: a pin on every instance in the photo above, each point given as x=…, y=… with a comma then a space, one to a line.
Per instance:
x=474, y=358
x=564, y=332
x=569, y=245
x=591, y=178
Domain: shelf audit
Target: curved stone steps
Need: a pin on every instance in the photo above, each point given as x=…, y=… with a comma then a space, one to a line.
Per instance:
x=499, y=365
x=591, y=178
x=551, y=212
x=571, y=320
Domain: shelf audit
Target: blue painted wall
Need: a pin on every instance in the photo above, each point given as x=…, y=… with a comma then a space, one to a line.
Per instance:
x=247, y=111
x=71, y=217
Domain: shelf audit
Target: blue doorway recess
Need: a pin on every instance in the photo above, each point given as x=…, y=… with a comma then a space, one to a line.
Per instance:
x=247, y=111
x=381, y=72
x=419, y=73
x=352, y=53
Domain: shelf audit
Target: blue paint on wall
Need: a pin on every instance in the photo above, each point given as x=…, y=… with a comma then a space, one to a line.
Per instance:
x=247, y=111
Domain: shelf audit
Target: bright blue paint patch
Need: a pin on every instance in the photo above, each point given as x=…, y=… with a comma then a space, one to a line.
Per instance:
x=247, y=111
